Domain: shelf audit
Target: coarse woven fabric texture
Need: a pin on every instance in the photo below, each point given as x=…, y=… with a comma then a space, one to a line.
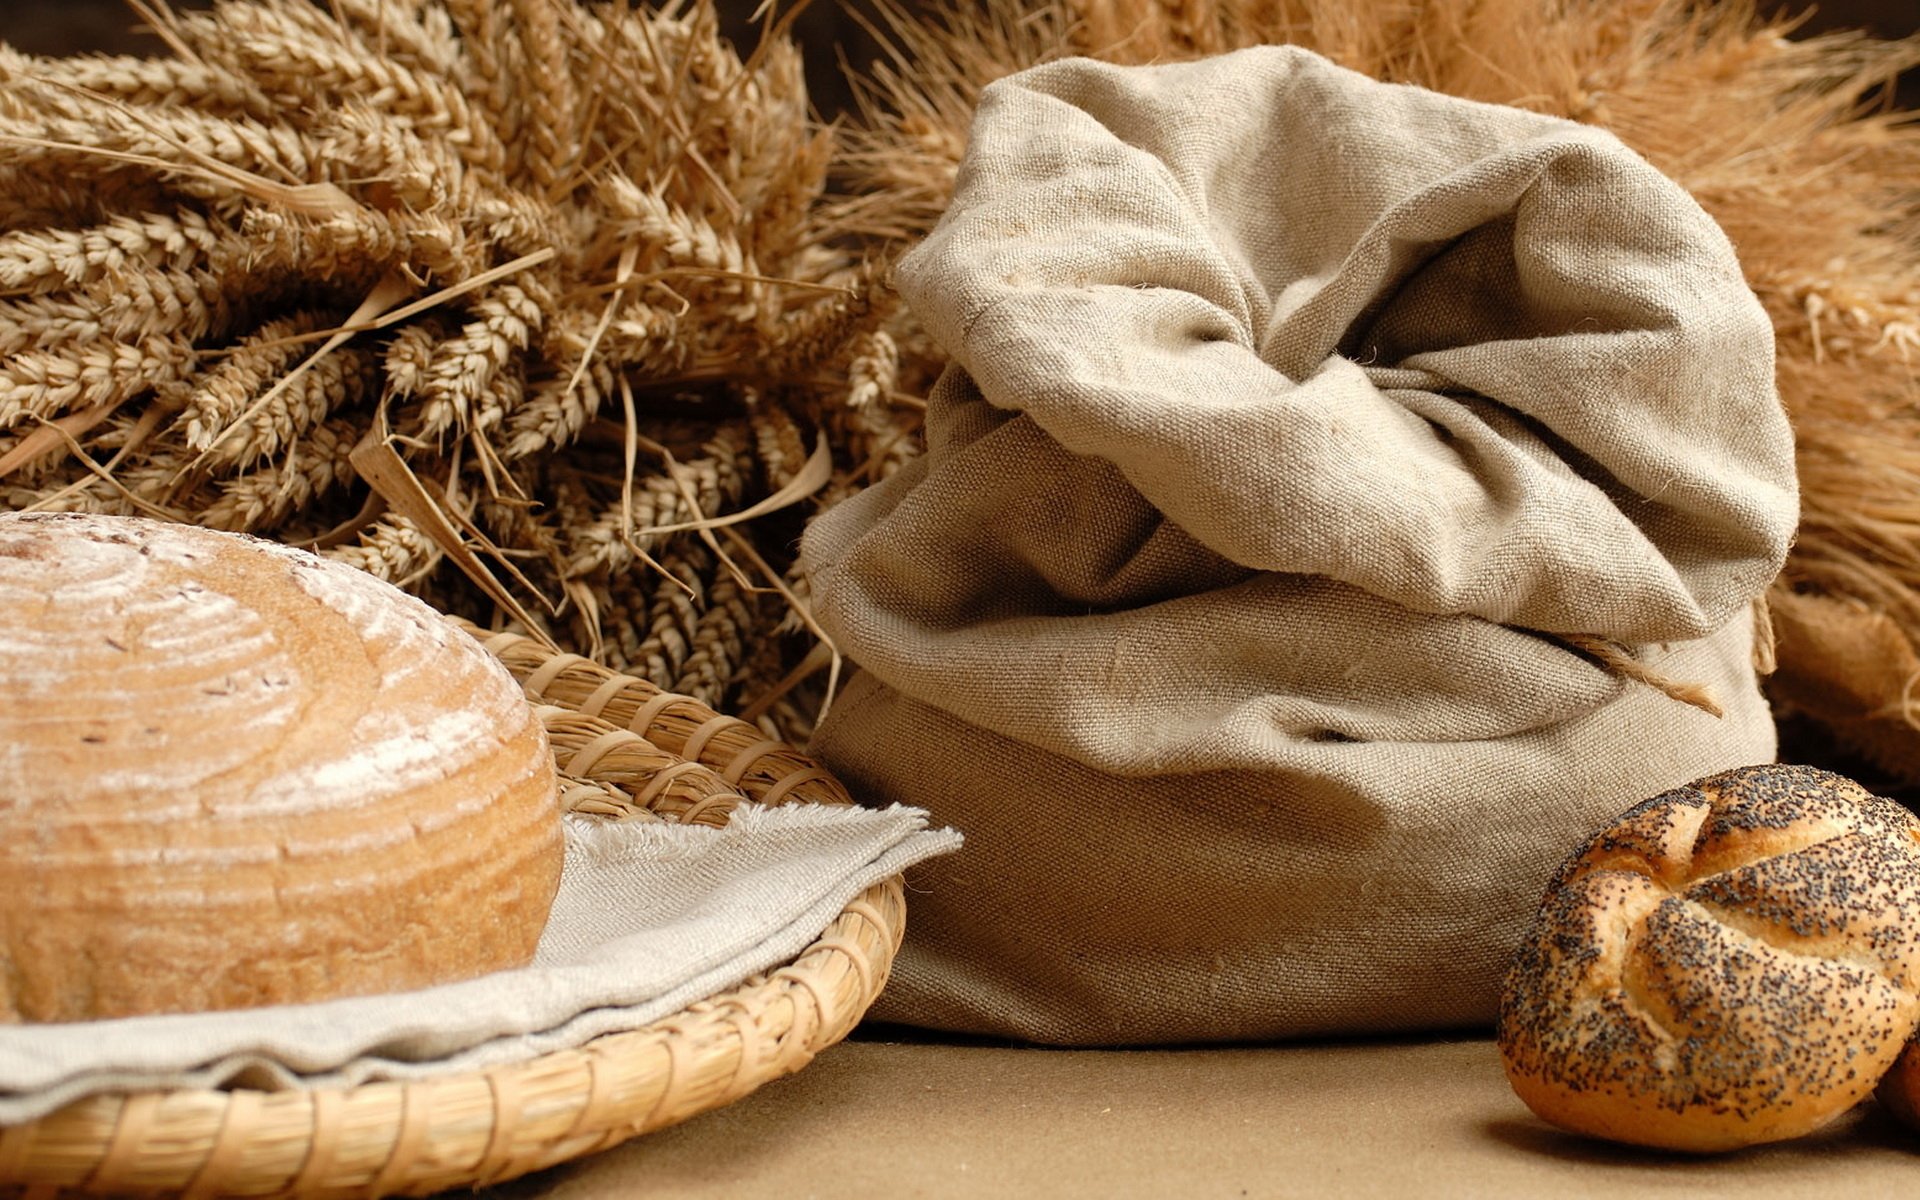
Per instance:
x=650, y=917
x=1298, y=428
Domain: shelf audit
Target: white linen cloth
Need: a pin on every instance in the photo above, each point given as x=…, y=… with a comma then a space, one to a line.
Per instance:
x=650, y=917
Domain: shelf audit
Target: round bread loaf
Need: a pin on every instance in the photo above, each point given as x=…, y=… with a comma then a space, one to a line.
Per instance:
x=235, y=774
x=1735, y=961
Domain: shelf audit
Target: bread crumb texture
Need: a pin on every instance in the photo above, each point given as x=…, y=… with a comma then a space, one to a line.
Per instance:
x=235, y=774
x=1732, y=962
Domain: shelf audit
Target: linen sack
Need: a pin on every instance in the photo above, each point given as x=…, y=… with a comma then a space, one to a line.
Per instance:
x=1290, y=417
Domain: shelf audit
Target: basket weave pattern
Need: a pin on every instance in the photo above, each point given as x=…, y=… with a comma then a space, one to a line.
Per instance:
x=624, y=748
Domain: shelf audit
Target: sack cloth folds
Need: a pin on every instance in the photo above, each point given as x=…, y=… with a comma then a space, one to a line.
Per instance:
x=1290, y=416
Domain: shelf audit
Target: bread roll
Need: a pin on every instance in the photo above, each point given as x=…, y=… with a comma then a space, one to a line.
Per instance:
x=234, y=774
x=1735, y=961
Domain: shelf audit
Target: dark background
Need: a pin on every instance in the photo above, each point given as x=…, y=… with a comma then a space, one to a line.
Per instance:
x=67, y=26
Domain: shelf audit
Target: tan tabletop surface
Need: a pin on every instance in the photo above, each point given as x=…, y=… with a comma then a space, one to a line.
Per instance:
x=1407, y=1118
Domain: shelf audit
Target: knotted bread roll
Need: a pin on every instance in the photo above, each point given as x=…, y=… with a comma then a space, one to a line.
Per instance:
x=235, y=774
x=1735, y=961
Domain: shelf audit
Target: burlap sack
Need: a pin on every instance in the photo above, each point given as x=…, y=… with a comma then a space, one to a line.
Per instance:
x=1291, y=416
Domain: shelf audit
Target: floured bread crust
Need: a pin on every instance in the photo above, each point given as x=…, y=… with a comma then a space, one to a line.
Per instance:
x=234, y=774
x=1732, y=962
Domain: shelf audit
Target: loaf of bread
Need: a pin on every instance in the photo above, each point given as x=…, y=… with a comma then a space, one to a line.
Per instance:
x=235, y=774
x=1735, y=961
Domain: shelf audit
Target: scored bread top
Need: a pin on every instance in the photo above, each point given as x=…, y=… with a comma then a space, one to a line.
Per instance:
x=233, y=773
x=1733, y=961
x=1798, y=857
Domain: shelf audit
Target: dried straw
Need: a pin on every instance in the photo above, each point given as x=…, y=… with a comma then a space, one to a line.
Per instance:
x=383, y=278
x=609, y=315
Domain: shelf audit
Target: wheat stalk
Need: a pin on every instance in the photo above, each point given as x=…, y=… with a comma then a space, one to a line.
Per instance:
x=406, y=225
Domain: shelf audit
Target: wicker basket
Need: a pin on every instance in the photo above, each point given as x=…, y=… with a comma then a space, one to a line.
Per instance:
x=623, y=747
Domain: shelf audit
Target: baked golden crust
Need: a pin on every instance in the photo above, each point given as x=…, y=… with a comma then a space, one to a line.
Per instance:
x=233, y=774
x=1734, y=961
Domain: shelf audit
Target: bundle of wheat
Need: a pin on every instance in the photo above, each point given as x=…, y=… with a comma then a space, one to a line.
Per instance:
x=387, y=278
x=1784, y=142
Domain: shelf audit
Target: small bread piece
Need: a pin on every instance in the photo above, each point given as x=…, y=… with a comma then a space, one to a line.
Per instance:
x=235, y=774
x=1899, y=1089
x=1735, y=961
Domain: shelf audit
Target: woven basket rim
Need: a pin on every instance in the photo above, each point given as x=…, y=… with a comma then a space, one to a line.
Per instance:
x=481, y=1127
